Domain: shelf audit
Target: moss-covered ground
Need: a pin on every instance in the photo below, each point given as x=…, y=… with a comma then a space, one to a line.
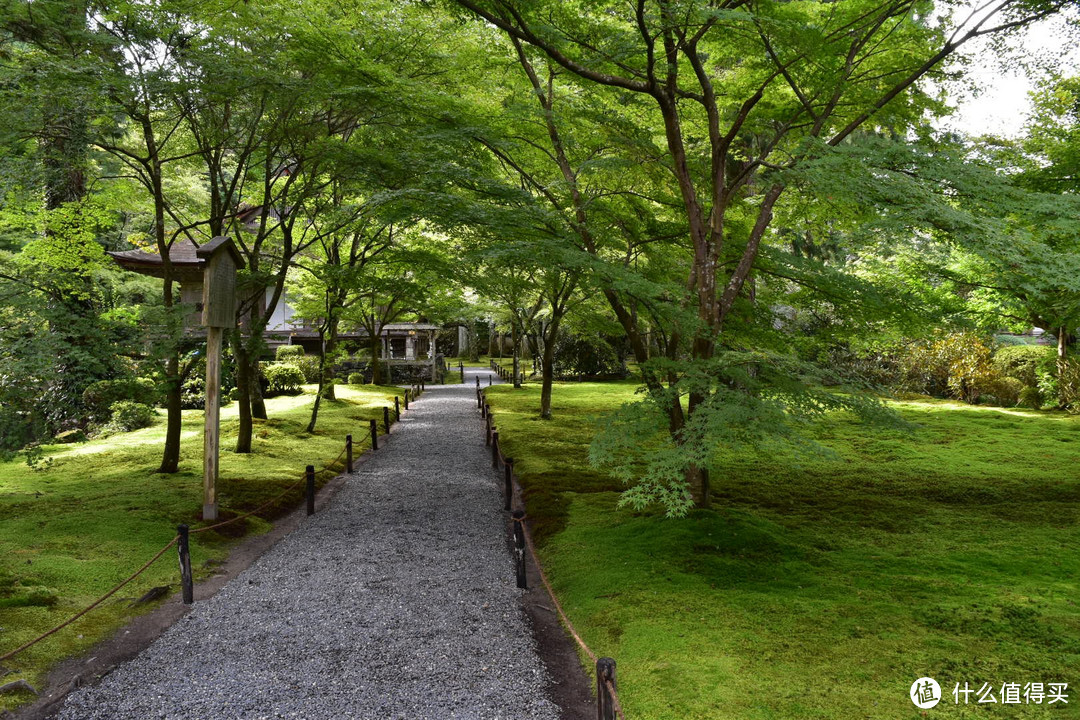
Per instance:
x=70, y=532
x=821, y=587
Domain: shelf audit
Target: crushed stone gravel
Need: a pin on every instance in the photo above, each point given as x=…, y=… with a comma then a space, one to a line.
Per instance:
x=396, y=601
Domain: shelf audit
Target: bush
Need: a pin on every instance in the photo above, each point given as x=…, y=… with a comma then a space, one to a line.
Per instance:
x=356, y=378
x=1069, y=385
x=957, y=365
x=586, y=356
x=282, y=378
x=1023, y=362
x=289, y=352
x=100, y=396
x=309, y=367
x=1030, y=397
x=71, y=436
x=1004, y=391
x=127, y=416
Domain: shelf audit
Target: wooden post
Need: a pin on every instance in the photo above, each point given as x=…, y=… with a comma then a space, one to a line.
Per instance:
x=509, y=489
x=605, y=704
x=374, y=435
x=220, y=260
x=310, y=489
x=406, y=398
x=184, y=551
x=397, y=408
x=489, y=380
x=461, y=369
x=477, y=382
x=519, y=545
x=212, y=423
x=348, y=453
x=494, y=448
x=386, y=419
x=489, y=427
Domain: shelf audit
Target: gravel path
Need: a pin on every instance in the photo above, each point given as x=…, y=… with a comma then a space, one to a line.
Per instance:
x=396, y=601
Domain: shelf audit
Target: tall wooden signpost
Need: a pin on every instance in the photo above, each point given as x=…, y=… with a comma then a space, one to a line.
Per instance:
x=222, y=260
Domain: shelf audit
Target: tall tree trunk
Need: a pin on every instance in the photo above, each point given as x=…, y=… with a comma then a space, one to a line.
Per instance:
x=244, y=382
x=376, y=365
x=170, y=457
x=547, y=370
x=258, y=402
x=516, y=342
x=328, y=353
x=474, y=343
x=322, y=382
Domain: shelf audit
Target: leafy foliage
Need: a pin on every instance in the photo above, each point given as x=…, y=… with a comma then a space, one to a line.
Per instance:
x=282, y=378
x=128, y=415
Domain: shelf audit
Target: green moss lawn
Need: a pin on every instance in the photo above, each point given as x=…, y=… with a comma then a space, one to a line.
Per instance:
x=72, y=531
x=821, y=587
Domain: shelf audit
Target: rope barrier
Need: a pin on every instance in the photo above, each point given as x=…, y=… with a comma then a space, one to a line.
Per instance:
x=615, y=699
x=326, y=468
x=558, y=606
x=92, y=605
x=154, y=559
x=551, y=592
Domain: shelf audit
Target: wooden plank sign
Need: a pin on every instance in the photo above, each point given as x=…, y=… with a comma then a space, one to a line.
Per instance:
x=222, y=260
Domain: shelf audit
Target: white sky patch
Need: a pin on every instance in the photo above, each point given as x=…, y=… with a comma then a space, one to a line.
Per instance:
x=999, y=102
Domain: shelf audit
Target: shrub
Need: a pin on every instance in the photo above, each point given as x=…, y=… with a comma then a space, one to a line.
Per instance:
x=1023, y=362
x=103, y=394
x=1030, y=397
x=586, y=356
x=309, y=367
x=282, y=378
x=1004, y=391
x=289, y=352
x=957, y=365
x=193, y=391
x=1069, y=385
x=356, y=378
x=71, y=436
x=127, y=416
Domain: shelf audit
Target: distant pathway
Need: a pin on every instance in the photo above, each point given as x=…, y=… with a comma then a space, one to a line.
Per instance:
x=396, y=601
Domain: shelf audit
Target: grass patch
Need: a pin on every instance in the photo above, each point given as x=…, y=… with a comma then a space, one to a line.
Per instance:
x=71, y=532
x=820, y=587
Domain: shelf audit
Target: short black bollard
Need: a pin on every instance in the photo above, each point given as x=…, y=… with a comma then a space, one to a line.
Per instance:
x=461, y=369
x=480, y=402
x=397, y=408
x=489, y=427
x=310, y=489
x=494, y=448
x=386, y=419
x=489, y=380
x=509, y=490
x=406, y=399
x=423, y=385
x=605, y=703
x=374, y=435
x=477, y=382
x=519, y=545
x=184, y=551
x=348, y=453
